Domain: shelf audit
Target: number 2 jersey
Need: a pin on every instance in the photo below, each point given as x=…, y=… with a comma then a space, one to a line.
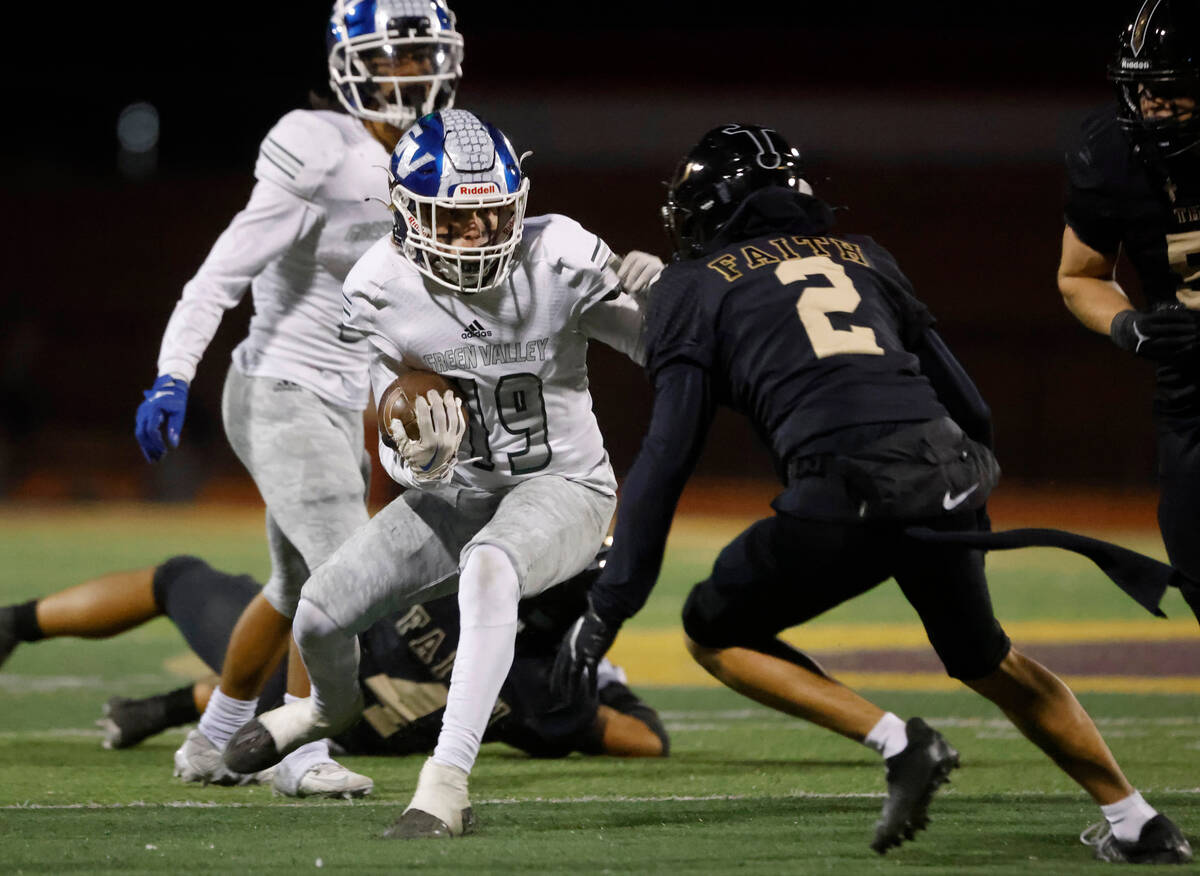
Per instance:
x=517, y=352
x=802, y=331
x=1116, y=202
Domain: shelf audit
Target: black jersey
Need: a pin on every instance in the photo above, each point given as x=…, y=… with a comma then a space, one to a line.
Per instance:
x=405, y=671
x=804, y=333
x=1116, y=201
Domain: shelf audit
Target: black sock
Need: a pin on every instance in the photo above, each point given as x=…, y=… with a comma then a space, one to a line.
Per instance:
x=179, y=707
x=25, y=623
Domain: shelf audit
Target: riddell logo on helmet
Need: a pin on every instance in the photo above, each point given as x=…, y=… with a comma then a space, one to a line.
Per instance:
x=488, y=188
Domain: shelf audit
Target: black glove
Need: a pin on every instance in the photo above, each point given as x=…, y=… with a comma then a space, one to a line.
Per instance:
x=585, y=643
x=1165, y=335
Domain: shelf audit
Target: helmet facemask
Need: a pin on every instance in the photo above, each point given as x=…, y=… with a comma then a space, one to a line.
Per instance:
x=465, y=242
x=398, y=75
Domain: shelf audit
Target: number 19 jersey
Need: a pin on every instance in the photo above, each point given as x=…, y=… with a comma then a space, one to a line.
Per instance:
x=518, y=351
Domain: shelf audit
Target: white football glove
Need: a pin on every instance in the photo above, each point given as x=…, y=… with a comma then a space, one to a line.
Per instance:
x=432, y=456
x=638, y=271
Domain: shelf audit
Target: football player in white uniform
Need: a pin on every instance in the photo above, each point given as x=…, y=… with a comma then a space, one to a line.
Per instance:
x=295, y=392
x=504, y=306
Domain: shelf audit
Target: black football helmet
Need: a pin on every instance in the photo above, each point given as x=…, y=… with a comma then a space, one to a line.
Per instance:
x=1157, y=75
x=729, y=163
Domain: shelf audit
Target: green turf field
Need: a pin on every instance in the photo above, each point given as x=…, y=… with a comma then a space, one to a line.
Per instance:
x=745, y=789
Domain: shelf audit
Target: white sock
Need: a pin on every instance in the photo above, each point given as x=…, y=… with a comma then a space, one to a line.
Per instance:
x=224, y=715
x=888, y=737
x=1127, y=817
x=487, y=599
x=308, y=755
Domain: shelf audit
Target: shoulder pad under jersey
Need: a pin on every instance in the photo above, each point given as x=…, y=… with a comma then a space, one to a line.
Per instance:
x=299, y=152
x=1095, y=151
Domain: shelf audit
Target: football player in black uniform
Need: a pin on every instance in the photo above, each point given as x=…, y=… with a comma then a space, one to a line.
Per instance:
x=1134, y=185
x=404, y=671
x=818, y=339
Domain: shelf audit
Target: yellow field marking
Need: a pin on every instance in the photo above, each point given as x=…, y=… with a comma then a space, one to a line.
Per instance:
x=657, y=657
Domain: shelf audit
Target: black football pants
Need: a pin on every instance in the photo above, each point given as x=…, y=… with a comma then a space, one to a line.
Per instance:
x=785, y=570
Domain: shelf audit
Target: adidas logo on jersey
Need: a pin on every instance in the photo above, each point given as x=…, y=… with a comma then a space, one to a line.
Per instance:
x=476, y=330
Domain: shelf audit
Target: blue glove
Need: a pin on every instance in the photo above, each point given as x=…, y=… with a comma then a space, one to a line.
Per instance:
x=166, y=399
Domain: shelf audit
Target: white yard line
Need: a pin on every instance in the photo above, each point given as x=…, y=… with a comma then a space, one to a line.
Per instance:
x=509, y=801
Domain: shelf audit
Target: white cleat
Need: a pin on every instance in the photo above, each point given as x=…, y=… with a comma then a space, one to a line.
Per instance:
x=198, y=760
x=440, y=807
x=326, y=779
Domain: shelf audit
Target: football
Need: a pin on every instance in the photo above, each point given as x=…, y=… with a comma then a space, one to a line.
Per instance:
x=398, y=398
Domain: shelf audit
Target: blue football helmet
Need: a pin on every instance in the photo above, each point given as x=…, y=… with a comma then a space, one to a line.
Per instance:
x=458, y=197
x=393, y=60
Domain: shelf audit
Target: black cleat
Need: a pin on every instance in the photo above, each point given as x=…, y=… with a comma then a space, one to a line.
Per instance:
x=417, y=824
x=8, y=633
x=913, y=776
x=1160, y=842
x=251, y=749
x=127, y=722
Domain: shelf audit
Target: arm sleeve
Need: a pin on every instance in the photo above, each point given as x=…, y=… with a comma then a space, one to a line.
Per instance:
x=269, y=224
x=954, y=388
x=618, y=322
x=683, y=411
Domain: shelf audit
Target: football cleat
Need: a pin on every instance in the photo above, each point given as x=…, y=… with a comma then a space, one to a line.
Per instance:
x=198, y=760
x=913, y=776
x=267, y=739
x=127, y=722
x=439, y=809
x=251, y=749
x=8, y=633
x=1160, y=842
x=327, y=779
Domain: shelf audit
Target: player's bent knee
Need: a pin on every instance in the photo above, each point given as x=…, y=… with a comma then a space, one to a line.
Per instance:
x=703, y=624
x=312, y=624
x=489, y=589
x=979, y=662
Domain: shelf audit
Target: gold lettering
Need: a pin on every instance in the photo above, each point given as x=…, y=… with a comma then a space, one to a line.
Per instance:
x=850, y=252
x=816, y=244
x=426, y=646
x=756, y=258
x=727, y=266
x=785, y=248
x=445, y=667
x=417, y=616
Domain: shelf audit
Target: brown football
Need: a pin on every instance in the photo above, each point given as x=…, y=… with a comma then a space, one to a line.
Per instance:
x=398, y=398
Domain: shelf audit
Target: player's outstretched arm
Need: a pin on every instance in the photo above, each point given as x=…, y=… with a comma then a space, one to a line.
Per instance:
x=267, y=226
x=683, y=411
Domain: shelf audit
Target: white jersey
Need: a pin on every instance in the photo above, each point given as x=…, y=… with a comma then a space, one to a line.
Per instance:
x=306, y=224
x=517, y=351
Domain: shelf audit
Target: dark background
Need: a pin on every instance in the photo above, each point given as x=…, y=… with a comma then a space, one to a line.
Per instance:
x=937, y=125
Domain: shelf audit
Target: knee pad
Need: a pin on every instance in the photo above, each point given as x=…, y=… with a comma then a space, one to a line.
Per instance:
x=488, y=589
x=173, y=571
x=979, y=660
x=700, y=622
x=312, y=624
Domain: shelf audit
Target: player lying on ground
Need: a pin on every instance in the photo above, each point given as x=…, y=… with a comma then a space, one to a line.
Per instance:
x=820, y=342
x=504, y=306
x=404, y=674
x=294, y=393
